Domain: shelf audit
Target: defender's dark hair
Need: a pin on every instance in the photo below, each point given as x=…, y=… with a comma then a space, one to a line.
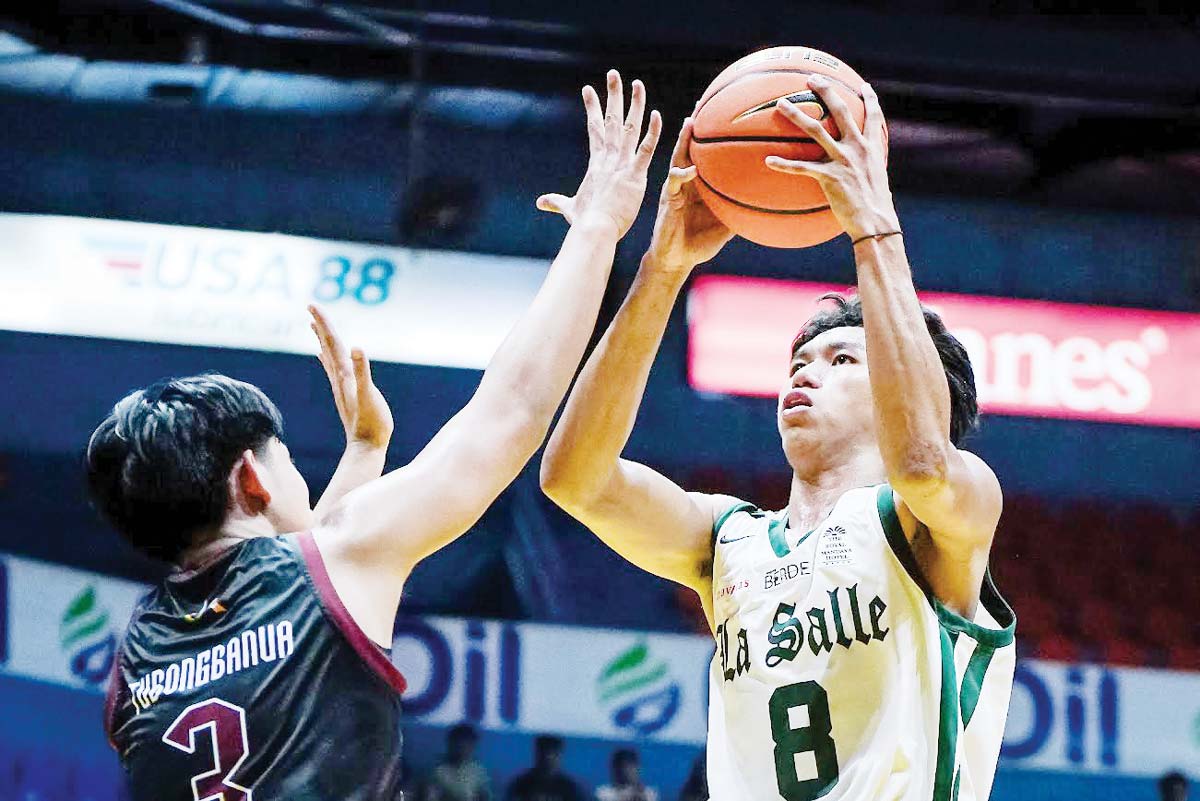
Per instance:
x=964, y=405
x=157, y=466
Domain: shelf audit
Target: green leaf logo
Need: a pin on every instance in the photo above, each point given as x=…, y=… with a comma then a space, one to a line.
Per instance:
x=637, y=691
x=82, y=619
x=630, y=671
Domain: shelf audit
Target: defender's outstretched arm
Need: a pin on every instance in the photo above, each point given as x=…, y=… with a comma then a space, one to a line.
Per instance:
x=380, y=530
x=362, y=409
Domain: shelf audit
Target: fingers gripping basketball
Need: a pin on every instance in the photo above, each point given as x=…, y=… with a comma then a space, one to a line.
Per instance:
x=737, y=125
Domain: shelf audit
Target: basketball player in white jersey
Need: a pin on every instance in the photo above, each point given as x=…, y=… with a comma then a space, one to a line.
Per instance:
x=863, y=652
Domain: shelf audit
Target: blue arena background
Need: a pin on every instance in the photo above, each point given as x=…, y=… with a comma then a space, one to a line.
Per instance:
x=1030, y=159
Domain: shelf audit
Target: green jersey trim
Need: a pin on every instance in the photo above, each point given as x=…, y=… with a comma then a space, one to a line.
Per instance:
x=777, y=535
x=972, y=681
x=947, y=747
x=740, y=506
x=989, y=596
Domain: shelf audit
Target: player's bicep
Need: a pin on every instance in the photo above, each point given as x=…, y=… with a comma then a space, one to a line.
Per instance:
x=962, y=511
x=653, y=522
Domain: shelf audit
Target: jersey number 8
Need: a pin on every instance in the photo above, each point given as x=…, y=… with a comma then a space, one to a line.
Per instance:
x=791, y=741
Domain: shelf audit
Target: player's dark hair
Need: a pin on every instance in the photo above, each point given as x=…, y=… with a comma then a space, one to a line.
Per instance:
x=158, y=465
x=1170, y=782
x=548, y=744
x=624, y=756
x=462, y=733
x=964, y=404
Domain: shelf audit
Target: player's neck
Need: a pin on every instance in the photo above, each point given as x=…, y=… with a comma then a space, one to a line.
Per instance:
x=208, y=547
x=816, y=488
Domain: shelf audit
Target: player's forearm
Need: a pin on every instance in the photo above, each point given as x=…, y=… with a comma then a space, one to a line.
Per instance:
x=532, y=369
x=361, y=462
x=595, y=426
x=908, y=383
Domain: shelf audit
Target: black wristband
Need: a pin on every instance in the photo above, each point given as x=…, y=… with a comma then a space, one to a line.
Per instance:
x=884, y=235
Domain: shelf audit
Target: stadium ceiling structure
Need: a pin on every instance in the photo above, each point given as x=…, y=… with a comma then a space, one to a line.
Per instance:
x=1027, y=99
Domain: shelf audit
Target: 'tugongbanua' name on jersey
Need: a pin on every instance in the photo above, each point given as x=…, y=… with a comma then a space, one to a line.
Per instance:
x=266, y=643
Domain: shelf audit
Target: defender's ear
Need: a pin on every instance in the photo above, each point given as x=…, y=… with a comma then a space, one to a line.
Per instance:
x=248, y=487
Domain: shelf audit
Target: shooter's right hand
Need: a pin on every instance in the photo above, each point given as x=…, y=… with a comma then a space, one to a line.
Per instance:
x=686, y=232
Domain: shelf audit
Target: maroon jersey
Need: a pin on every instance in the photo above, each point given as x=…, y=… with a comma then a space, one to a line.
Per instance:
x=248, y=680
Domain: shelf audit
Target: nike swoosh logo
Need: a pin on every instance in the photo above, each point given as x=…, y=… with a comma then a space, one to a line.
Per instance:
x=724, y=541
x=796, y=98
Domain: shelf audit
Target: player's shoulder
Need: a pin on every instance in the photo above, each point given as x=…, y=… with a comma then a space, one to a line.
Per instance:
x=276, y=557
x=730, y=512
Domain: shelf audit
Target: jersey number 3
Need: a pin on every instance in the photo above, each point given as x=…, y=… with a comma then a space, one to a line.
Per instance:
x=227, y=727
x=791, y=741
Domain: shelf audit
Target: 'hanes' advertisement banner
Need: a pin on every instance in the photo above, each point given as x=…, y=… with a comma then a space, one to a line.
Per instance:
x=61, y=626
x=1030, y=357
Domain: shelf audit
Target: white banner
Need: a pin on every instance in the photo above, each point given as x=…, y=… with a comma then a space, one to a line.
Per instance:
x=60, y=625
x=531, y=677
x=201, y=286
x=1095, y=719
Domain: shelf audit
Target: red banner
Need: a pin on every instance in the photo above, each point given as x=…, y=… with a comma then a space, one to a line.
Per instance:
x=1030, y=357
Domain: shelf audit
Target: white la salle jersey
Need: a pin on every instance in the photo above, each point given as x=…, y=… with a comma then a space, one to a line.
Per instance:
x=838, y=674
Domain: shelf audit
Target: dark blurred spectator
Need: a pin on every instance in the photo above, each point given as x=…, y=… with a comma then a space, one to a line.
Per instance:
x=1173, y=787
x=695, y=788
x=459, y=777
x=545, y=781
x=626, y=780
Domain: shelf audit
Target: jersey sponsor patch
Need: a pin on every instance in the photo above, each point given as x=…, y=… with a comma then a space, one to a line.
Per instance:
x=786, y=573
x=727, y=590
x=835, y=547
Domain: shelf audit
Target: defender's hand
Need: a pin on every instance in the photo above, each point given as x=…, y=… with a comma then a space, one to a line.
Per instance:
x=686, y=232
x=361, y=406
x=855, y=175
x=615, y=183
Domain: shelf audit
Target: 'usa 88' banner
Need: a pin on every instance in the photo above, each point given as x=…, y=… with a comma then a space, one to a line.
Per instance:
x=201, y=286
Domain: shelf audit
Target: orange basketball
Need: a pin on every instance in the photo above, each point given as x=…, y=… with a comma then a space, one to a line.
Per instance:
x=735, y=128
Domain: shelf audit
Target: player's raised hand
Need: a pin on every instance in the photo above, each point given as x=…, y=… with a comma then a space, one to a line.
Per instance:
x=686, y=232
x=360, y=405
x=615, y=183
x=854, y=176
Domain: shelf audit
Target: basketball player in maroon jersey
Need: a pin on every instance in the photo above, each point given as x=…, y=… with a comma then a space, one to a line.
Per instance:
x=258, y=668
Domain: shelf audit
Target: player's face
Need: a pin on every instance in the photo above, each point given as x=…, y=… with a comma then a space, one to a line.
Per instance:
x=827, y=397
x=288, y=509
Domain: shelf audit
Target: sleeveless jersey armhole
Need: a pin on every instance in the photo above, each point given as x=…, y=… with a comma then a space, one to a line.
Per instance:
x=337, y=613
x=734, y=508
x=989, y=597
